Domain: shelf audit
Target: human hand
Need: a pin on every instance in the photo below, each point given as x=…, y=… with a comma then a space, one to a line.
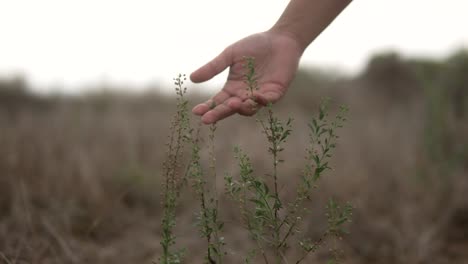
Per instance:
x=276, y=56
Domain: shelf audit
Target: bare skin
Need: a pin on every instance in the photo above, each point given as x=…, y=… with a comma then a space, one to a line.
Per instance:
x=277, y=53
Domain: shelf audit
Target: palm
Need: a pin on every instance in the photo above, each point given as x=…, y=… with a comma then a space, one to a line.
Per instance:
x=276, y=58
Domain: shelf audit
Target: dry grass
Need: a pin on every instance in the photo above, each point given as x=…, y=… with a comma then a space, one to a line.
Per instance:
x=79, y=176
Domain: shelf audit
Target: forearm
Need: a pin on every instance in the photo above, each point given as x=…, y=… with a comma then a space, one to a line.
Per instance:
x=306, y=19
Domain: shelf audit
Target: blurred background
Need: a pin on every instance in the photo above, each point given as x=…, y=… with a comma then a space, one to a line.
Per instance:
x=86, y=101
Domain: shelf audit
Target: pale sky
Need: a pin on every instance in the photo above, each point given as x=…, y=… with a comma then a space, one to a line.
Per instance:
x=65, y=44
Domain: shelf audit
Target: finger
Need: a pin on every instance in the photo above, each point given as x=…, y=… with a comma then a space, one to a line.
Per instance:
x=212, y=68
x=218, y=99
x=221, y=111
x=260, y=99
x=266, y=97
x=248, y=108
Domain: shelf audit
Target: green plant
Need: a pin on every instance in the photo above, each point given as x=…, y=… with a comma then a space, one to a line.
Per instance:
x=181, y=134
x=249, y=76
x=270, y=221
x=273, y=223
x=207, y=219
x=173, y=180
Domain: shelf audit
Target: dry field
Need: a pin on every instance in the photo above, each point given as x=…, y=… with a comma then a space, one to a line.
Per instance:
x=80, y=175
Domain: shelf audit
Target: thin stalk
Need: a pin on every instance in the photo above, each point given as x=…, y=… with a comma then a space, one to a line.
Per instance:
x=314, y=247
x=178, y=126
x=276, y=207
x=215, y=224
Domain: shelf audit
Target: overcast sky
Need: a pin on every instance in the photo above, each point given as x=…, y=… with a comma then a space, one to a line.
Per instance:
x=73, y=44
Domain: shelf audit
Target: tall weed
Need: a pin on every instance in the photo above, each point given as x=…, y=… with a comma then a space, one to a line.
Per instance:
x=272, y=222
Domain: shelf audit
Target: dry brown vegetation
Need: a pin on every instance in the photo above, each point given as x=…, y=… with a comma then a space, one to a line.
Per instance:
x=79, y=175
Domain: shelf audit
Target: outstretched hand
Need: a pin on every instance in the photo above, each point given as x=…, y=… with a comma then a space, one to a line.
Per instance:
x=276, y=57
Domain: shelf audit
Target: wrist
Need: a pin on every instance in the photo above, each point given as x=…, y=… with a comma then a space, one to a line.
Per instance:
x=300, y=42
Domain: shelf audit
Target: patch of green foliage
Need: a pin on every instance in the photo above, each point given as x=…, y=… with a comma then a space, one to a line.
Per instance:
x=272, y=222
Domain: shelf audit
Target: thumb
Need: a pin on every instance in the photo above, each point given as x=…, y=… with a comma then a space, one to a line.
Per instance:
x=213, y=68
